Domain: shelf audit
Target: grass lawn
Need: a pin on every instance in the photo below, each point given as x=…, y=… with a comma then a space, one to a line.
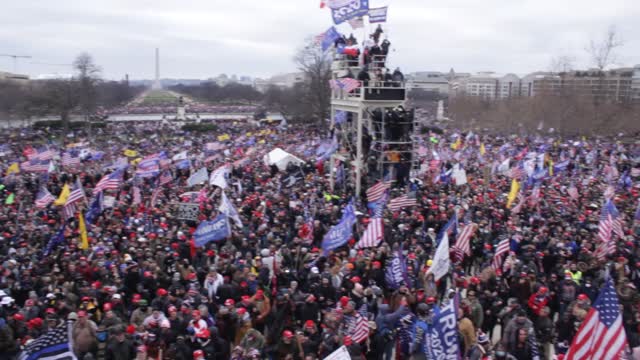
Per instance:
x=158, y=97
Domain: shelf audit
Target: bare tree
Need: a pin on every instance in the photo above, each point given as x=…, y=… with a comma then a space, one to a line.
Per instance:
x=603, y=52
x=88, y=78
x=316, y=66
x=562, y=63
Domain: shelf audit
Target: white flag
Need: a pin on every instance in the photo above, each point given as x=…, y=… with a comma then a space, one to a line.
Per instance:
x=459, y=175
x=199, y=176
x=227, y=208
x=441, y=261
x=180, y=156
x=219, y=177
x=504, y=167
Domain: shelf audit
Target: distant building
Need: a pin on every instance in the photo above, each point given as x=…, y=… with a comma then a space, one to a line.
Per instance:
x=635, y=84
x=617, y=85
x=430, y=81
x=483, y=85
x=7, y=76
x=282, y=81
x=610, y=85
x=508, y=87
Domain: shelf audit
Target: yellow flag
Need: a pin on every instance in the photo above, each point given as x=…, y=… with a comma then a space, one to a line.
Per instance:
x=84, y=240
x=224, y=137
x=130, y=153
x=456, y=145
x=515, y=187
x=550, y=167
x=64, y=194
x=136, y=161
x=249, y=134
x=13, y=169
x=482, y=150
x=261, y=141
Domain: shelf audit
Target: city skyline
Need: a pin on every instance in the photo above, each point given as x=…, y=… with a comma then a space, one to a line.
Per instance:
x=259, y=39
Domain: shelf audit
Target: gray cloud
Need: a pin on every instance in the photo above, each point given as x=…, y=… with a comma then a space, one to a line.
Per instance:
x=200, y=39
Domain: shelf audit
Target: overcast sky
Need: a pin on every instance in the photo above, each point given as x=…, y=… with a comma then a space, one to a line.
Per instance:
x=200, y=39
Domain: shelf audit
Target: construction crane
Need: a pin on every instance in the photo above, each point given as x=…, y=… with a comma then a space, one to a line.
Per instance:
x=15, y=60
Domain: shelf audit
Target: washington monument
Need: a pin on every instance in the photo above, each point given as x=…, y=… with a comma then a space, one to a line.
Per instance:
x=156, y=83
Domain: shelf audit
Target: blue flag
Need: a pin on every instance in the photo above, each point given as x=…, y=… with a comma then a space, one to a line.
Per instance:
x=55, y=240
x=441, y=339
x=183, y=164
x=561, y=166
x=451, y=227
x=330, y=36
x=214, y=230
x=339, y=234
x=637, y=215
x=341, y=116
x=378, y=15
x=95, y=209
x=396, y=271
x=349, y=9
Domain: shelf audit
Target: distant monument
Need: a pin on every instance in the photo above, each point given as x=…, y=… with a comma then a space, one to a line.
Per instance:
x=156, y=83
x=440, y=112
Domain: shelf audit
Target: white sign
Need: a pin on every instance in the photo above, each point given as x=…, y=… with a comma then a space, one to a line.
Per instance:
x=109, y=202
x=341, y=354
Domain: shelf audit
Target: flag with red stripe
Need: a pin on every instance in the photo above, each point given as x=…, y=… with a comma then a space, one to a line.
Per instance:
x=401, y=202
x=601, y=335
x=372, y=235
x=376, y=192
x=501, y=250
x=463, y=243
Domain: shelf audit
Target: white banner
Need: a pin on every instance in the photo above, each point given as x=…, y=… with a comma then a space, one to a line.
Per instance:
x=341, y=354
x=441, y=261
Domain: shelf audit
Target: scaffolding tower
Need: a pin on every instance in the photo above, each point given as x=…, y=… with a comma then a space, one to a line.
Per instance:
x=371, y=143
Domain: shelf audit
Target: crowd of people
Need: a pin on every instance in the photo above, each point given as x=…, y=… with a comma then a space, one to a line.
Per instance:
x=140, y=288
x=170, y=108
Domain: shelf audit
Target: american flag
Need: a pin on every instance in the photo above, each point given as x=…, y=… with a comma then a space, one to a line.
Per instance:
x=165, y=177
x=69, y=211
x=406, y=334
x=517, y=172
x=434, y=165
x=109, y=182
x=463, y=242
x=154, y=196
x=214, y=146
x=573, y=191
x=609, y=192
x=137, y=197
x=54, y=344
x=516, y=209
x=501, y=250
x=402, y=201
x=44, y=198
x=77, y=194
x=535, y=194
x=346, y=84
x=609, y=222
x=372, y=235
x=601, y=335
x=69, y=159
x=148, y=168
x=35, y=165
x=358, y=325
x=42, y=154
x=376, y=192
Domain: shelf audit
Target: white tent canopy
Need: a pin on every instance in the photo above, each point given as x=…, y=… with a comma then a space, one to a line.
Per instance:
x=281, y=159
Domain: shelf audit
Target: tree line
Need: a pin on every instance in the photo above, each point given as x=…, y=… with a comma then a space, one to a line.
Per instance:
x=84, y=93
